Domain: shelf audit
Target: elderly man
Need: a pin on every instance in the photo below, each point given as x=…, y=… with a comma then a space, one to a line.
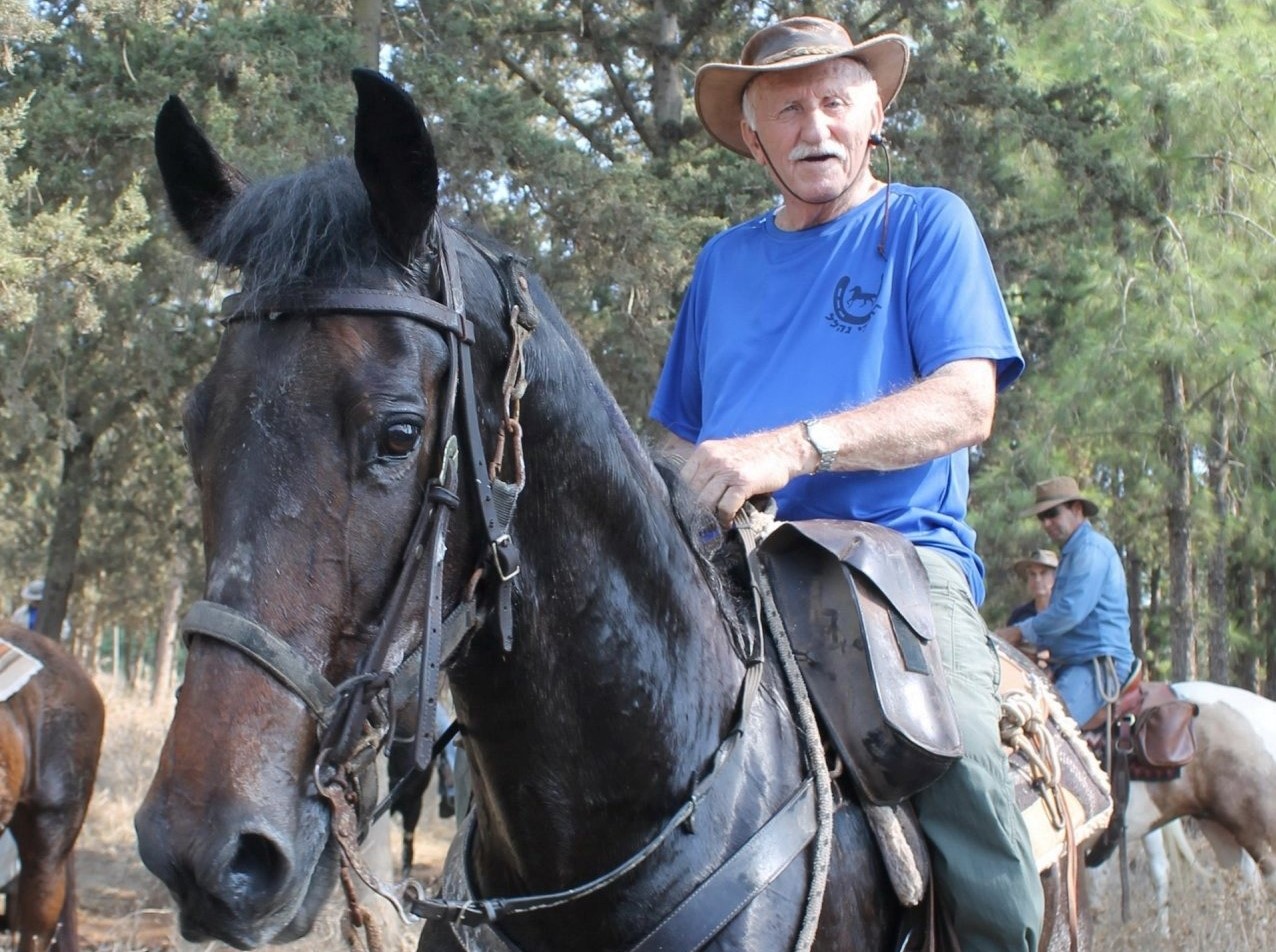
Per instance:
x=1086, y=626
x=843, y=351
x=1037, y=572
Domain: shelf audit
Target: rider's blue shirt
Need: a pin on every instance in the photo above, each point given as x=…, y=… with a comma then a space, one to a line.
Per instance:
x=1089, y=613
x=778, y=326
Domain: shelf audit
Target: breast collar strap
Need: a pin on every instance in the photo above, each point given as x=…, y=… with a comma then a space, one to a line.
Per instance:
x=342, y=715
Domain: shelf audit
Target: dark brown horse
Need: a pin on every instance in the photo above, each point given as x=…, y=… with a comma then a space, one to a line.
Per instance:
x=50, y=737
x=597, y=663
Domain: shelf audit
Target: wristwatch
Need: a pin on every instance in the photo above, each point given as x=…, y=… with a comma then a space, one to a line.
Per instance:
x=821, y=437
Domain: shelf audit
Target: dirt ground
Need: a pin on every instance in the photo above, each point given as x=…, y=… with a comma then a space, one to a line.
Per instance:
x=124, y=909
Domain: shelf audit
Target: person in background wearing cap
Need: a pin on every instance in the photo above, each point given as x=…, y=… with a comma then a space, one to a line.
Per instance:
x=1086, y=626
x=32, y=593
x=842, y=352
x=1037, y=571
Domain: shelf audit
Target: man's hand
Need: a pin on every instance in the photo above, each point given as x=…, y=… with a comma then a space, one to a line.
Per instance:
x=725, y=474
x=1010, y=634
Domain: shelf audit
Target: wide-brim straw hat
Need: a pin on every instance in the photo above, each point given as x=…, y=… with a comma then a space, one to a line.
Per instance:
x=1056, y=490
x=1043, y=557
x=791, y=44
x=33, y=591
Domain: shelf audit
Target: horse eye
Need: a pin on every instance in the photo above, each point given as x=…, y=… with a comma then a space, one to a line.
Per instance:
x=398, y=438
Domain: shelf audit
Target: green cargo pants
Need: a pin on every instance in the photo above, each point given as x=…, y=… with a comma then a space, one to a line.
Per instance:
x=984, y=869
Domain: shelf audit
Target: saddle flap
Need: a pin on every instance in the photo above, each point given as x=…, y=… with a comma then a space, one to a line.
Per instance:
x=884, y=557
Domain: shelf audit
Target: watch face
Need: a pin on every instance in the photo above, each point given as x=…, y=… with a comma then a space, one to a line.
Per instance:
x=822, y=439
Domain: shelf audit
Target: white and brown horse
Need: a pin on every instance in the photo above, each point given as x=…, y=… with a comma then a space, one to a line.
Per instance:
x=1227, y=787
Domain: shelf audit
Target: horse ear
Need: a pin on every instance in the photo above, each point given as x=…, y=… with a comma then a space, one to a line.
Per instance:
x=199, y=184
x=396, y=161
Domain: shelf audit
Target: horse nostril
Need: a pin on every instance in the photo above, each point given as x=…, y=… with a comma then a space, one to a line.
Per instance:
x=258, y=867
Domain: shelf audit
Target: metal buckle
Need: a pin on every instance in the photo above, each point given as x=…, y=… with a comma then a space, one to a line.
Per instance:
x=497, y=561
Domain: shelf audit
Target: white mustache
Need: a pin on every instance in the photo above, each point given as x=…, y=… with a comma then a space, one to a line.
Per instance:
x=806, y=151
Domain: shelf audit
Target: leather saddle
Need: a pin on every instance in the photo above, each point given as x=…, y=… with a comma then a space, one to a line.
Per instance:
x=1154, y=724
x=855, y=602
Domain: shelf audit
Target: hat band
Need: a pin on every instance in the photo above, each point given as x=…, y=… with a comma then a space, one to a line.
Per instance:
x=800, y=51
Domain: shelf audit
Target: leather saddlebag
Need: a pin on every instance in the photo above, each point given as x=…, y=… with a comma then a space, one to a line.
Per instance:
x=855, y=600
x=1163, y=734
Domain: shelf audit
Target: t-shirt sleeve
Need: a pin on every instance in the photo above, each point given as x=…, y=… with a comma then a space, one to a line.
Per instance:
x=677, y=402
x=955, y=307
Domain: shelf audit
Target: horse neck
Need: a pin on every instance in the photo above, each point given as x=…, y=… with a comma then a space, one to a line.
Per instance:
x=622, y=679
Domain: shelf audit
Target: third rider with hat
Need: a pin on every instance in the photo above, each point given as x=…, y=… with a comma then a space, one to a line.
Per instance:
x=1037, y=572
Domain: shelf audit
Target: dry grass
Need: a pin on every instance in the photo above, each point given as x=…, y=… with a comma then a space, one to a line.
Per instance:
x=124, y=909
x=1213, y=910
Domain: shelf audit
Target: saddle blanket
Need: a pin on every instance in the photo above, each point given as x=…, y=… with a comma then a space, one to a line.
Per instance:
x=16, y=669
x=1062, y=791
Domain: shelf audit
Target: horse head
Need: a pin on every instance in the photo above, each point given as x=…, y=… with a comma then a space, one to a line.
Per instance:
x=372, y=359
x=312, y=441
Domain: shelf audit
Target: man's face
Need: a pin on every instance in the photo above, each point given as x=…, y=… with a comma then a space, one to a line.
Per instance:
x=1061, y=521
x=1040, y=579
x=813, y=126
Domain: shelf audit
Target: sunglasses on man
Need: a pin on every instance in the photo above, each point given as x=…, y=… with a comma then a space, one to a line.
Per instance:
x=1050, y=513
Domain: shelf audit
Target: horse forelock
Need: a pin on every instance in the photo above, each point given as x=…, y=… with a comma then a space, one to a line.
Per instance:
x=308, y=228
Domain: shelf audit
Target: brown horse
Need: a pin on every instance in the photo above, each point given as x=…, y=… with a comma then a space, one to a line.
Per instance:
x=627, y=743
x=50, y=738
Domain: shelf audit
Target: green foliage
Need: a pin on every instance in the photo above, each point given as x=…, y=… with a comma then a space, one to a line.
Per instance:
x=1119, y=159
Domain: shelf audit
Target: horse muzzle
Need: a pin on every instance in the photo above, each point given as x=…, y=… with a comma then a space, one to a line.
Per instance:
x=240, y=881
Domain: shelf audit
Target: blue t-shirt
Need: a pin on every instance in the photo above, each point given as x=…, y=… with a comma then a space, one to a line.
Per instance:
x=778, y=326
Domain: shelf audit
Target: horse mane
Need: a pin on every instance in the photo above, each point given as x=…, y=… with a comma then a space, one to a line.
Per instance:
x=308, y=227
x=720, y=556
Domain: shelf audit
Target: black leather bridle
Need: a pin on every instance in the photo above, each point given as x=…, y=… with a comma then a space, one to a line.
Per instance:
x=344, y=712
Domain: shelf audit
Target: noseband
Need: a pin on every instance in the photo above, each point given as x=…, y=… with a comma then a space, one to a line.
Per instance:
x=345, y=713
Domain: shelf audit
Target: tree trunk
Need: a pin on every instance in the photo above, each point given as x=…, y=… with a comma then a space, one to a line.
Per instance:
x=1218, y=467
x=1269, y=599
x=1247, y=603
x=166, y=638
x=68, y=521
x=666, y=82
x=366, y=15
x=1178, y=524
x=1134, y=590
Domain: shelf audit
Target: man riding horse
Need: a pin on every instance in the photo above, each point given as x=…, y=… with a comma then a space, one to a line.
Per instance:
x=859, y=406
x=1086, y=626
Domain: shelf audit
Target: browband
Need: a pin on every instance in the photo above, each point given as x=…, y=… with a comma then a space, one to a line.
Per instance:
x=362, y=301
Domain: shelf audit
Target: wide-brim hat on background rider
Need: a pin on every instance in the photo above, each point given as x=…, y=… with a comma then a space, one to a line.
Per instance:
x=791, y=44
x=33, y=591
x=1057, y=490
x=1043, y=557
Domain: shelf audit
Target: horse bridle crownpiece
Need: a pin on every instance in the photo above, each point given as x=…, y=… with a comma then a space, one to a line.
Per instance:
x=346, y=714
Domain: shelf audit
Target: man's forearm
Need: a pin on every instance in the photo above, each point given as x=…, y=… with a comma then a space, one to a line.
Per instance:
x=947, y=411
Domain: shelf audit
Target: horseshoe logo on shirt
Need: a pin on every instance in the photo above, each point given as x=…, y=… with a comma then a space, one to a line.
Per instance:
x=852, y=305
